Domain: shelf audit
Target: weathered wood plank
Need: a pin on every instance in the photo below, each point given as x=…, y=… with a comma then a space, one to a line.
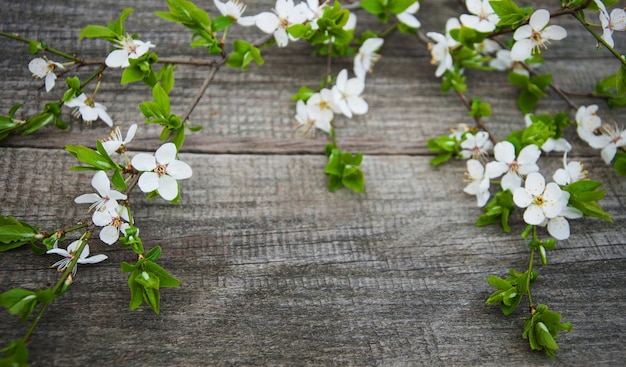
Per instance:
x=251, y=112
x=275, y=270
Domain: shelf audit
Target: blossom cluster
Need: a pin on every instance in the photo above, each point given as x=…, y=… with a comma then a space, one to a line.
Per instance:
x=158, y=173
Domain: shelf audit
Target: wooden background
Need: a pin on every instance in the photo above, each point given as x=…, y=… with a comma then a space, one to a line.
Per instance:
x=275, y=270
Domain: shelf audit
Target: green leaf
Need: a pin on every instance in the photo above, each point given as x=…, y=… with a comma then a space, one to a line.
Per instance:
x=18, y=300
x=398, y=6
x=165, y=279
x=621, y=80
x=132, y=74
x=90, y=157
x=509, y=13
x=16, y=354
x=166, y=77
x=222, y=22
x=118, y=180
x=161, y=99
x=96, y=31
x=354, y=181
x=373, y=6
x=499, y=283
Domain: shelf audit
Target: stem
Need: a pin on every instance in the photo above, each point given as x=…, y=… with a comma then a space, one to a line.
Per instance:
x=59, y=283
x=389, y=30
x=600, y=39
x=215, y=66
x=49, y=49
x=479, y=123
x=530, y=272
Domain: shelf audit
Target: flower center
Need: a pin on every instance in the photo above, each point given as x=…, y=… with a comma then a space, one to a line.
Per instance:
x=539, y=201
x=117, y=222
x=161, y=169
x=514, y=167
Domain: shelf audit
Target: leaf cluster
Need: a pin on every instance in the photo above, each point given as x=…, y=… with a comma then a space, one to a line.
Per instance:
x=23, y=302
x=510, y=290
x=243, y=54
x=146, y=280
x=542, y=328
x=532, y=89
x=98, y=160
x=344, y=169
x=383, y=9
x=498, y=210
x=14, y=233
x=584, y=195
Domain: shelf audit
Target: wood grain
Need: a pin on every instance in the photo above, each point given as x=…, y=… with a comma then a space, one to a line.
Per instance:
x=276, y=270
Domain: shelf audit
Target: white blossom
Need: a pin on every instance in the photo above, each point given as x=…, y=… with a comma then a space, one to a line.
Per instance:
x=537, y=33
x=440, y=53
x=285, y=15
x=116, y=142
x=513, y=168
x=347, y=95
x=478, y=182
x=90, y=110
x=322, y=104
x=476, y=146
x=42, y=68
x=129, y=48
x=309, y=119
x=571, y=172
x=483, y=18
x=161, y=171
x=113, y=222
x=105, y=199
x=407, y=17
x=611, y=138
x=366, y=57
x=70, y=253
x=234, y=10
x=540, y=200
x=616, y=21
x=588, y=122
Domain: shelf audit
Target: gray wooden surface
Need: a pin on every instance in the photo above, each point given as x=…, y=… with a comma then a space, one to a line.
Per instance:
x=275, y=270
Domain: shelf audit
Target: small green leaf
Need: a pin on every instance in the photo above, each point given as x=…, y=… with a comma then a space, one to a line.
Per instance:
x=96, y=31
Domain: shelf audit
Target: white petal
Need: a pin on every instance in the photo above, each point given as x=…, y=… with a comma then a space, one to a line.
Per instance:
x=553, y=205
x=529, y=155
x=496, y=169
x=88, y=113
x=511, y=181
x=109, y=235
x=166, y=153
x=101, y=218
x=39, y=67
x=357, y=105
x=561, y=177
x=144, y=162
x=534, y=215
x=104, y=116
x=93, y=259
x=87, y=199
x=267, y=22
x=168, y=187
x=504, y=151
x=523, y=32
x=130, y=134
x=179, y=170
x=409, y=20
x=148, y=181
x=559, y=228
x=554, y=32
x=522, y=49
x=280, y=35
x=608, y=153
x=522, y=198
x=58, y=251
x=246, y=21
x=539, y=19
x=77, y=101
x=117, y=58
x=101, y=183
x=49, y=81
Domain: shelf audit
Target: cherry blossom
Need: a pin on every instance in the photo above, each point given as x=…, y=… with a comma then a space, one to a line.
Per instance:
x=113, y=222
x=513, y=168
x=478, y=182
x=476, y=146
x=440, y=53
x=42, y=68
x=70, y=253
x=587, y=121
x=234, y=10
x=285, y=15
x=540, y=200
x=90, y=110
x=309, y=119
x=322, y=104
x=315, y=12
x=129, y=49
x=161, y=171
x=483, y=18
x=347, y=95
x=537, y=33
x=408, y=18
x=616, y=21
x=105, y=199
x=366, y=57
x=571, y=172
x=611, y=138
x=116, y=143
